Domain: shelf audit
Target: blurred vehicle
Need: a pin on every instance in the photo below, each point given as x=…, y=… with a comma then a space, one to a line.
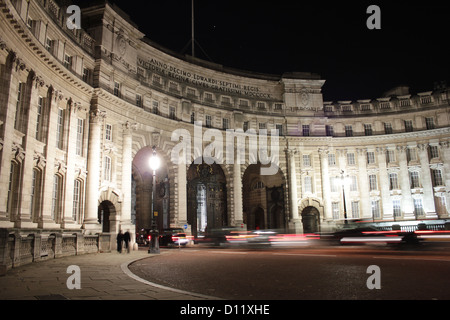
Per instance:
x=371, y=235
x=173, y=237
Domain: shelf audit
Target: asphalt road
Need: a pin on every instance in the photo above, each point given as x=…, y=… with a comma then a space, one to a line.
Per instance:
x=339, y=273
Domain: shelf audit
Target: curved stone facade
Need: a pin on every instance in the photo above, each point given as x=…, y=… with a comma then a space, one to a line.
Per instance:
x=81, y=109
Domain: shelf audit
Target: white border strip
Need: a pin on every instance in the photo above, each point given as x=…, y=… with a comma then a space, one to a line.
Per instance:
x=124, y=267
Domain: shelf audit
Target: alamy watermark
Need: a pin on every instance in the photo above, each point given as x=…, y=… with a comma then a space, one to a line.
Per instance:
x=212, y=147
x=74, y=20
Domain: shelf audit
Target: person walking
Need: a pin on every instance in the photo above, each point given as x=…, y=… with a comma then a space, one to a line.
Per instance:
x=126, y=240
x=119, y=241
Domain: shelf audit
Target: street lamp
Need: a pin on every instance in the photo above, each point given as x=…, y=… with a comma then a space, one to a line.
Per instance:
x=343, y=183
x=154, y=164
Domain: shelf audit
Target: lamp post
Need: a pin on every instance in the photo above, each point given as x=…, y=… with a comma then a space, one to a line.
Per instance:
x=154, y=163
x=343, y=197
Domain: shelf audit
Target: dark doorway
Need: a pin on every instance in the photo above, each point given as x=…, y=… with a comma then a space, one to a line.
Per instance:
x=105, y=209
x=207, y=198
x=310, y=220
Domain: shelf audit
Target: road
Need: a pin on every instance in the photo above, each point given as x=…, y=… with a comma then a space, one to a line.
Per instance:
x=331, y=273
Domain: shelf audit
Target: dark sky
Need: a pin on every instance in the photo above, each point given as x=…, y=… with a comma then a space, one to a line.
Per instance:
x=327, y=38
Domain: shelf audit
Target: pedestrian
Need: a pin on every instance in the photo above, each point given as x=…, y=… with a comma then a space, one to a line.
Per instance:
x=126, y=240
x=119, y=241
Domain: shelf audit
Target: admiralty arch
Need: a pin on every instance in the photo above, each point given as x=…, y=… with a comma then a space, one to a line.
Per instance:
x=82, y=109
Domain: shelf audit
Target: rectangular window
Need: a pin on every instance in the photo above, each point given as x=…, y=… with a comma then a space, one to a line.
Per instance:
x=409, y=126
x=414, y=179
x=139, y=100
x=353, y=183
x=20, y=93
x=411, y=154
x=436, y=175
x=80, y=136
x=86, y=75
x=262, y=125
x=373, y=182
x=418, y=207
x=376, y=209
x=208, y=121
x=56, y=194
x=116, y=91
x=334, y=183
x=335, y=210
x=172, y=113
x=370, y=157
x=49, y=45
x=351, y=159
x=434, y=152
x=308, y=185
x=279, y=127
x=225, y=123
x=430, y=123
x=368, y=130
x=306, y=160
x=108, y=132
x=107, y=172
x=39, y=118
x=355, y=209
x=245, y=126
x=67, y=61
x=348, y=131
x=60, y=130
x=305, y=129
x=208, y=96
x=396, y=208
x=388, y=128
x=192, y=117
x=390, y=156
x=393, y=181
x=329, y=131
x=76, y=200
x=331, y=159
x=155, y=107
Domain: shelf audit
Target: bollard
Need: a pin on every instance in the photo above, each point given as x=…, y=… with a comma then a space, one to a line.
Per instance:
x=154, y=241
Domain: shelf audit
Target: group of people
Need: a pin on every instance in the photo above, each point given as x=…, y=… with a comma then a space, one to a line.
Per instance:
x=125, y=239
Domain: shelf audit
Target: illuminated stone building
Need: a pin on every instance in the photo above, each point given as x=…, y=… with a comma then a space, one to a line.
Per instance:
x=81, y=109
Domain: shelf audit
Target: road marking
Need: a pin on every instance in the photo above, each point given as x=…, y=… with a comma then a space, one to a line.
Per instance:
x=412, y=258
x=305, y=254
x=228, y=252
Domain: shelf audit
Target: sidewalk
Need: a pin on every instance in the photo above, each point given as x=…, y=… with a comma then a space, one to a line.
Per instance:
x=104, y=276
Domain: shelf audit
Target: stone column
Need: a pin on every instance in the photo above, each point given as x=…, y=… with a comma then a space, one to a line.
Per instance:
x=46, y=220
x=9, y=83
x=295, y=221
x=326, y=189
x=24, y=218
x=386, y=202
x=93, y=167
x=127, y=164
x=237, y=198
x=407, y=203
x=427, y=184
x=364, y=193
x=67, y=220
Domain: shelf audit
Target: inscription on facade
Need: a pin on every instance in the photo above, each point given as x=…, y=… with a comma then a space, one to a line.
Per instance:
x=199, y=80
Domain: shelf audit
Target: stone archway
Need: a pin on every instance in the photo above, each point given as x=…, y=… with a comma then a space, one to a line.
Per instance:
x=265, y=193
x=206, y=197
x=310, y=220
x=106, y=211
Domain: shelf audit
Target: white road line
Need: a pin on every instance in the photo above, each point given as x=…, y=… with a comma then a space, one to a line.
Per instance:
x=411, y=258
x=305, y=254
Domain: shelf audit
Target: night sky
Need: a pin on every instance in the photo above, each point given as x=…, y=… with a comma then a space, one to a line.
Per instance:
x=327, y=38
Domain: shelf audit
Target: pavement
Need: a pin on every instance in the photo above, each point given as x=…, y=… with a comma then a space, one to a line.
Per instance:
x=103, y=276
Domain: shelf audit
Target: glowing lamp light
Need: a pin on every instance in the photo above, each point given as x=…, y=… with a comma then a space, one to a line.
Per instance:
x=154, y=162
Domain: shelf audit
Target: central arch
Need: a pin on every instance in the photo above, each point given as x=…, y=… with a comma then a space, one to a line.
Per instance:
x=310, y=220
x=206, y=197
